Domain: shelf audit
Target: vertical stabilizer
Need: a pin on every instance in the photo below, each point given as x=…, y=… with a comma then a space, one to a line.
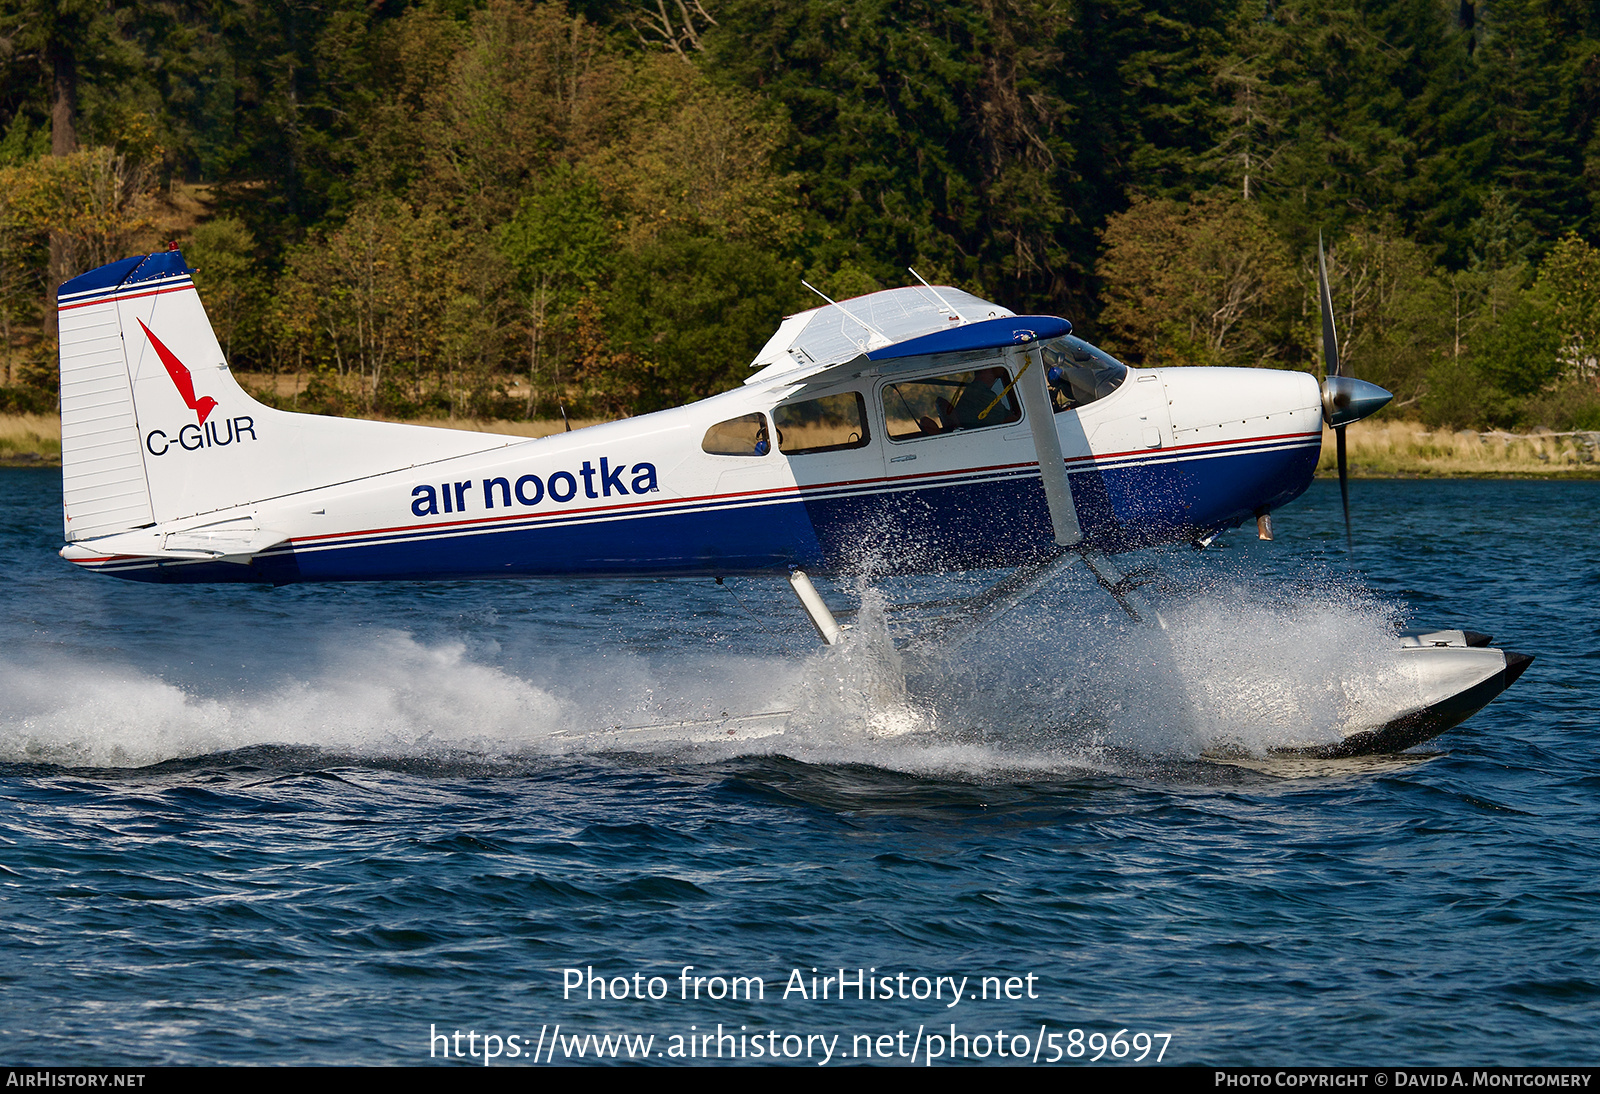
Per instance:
x=154, y=428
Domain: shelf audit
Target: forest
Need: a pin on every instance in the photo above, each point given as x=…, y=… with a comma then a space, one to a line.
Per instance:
x=504, y=208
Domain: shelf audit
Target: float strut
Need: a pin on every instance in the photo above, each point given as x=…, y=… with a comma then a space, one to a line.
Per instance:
x=821, y=618
x=988, y=606
x=1124, y=587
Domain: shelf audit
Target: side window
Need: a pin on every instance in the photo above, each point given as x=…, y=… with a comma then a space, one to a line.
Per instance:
x=829, y=424
x=947, y=404
x=746, y=436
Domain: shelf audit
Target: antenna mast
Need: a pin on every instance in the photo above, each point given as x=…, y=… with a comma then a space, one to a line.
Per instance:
x=884, y=338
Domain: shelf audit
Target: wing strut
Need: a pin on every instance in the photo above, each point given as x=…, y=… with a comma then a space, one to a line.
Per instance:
x=1028, y=368
x=990, y=605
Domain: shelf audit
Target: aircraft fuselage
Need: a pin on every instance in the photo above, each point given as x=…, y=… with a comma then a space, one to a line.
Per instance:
x=1170, y=456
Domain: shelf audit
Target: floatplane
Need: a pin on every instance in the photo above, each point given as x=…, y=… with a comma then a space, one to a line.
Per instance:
x=973, y=436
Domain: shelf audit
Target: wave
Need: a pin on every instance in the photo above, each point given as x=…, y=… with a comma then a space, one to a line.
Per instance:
x=1064, y=682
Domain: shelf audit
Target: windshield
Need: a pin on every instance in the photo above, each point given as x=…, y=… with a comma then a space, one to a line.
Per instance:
x=1080, y=373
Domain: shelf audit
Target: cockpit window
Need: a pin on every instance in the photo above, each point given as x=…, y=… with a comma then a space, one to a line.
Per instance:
x=744, y=436
x=1080, y=373
x=947, y=404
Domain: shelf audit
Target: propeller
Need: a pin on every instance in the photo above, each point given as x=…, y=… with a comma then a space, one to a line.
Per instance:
x=1344, y=398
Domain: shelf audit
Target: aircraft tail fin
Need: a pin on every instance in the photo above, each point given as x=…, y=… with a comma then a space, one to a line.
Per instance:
x=104, y=485
x=155, y=428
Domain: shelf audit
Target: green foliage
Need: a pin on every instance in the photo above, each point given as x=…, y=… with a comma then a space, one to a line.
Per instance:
x=560, y=240
x=1204, y=283
x=1393, y=310
x=1459, y=396
x=1568, y=405
x=24, y=141
x=223, y=255
x=550, y=167
x=529, y=87
x=1516, y=358
x=1532, y=361
x=1501, y=236
x=1570, y=279
x=27, y=399
x=1530, y=90
x=504, y=205
x=560, y=249
x=848, y=280
x=414, y=53
x=924, y=134
x=693, y=311
x=371, y=301
x=686, y=155
x=63, y=215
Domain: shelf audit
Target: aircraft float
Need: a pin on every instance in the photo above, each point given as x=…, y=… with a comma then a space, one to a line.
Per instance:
x=921, y=416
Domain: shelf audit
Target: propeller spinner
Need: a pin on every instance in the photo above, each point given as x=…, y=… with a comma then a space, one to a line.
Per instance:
x=1344, y=398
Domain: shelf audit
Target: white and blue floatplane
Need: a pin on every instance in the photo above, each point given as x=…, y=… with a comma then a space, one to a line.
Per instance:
x=975, y=437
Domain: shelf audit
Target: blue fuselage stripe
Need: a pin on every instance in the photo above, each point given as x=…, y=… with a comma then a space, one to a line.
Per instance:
x=994, y=517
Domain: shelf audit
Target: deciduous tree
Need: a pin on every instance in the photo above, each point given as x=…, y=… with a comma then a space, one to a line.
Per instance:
x=1205, y=282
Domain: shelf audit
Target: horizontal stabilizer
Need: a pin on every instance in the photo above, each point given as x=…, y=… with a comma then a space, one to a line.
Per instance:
x=235, y=540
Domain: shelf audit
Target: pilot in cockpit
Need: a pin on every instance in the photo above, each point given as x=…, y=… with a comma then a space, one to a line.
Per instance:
x=982, y=401
x=986, y=392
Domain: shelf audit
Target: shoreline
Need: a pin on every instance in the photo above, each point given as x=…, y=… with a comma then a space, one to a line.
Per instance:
x=1382, y=450
x=1409, y=450
x=34, y=440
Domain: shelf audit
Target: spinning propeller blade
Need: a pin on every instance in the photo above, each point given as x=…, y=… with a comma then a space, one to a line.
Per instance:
x=1330, y=340
x=1344, y=488
x=1330, y=357
x=1344, y=398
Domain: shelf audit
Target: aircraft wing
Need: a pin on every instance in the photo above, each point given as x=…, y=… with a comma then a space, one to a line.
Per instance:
x=818, y=339
x=913, y=353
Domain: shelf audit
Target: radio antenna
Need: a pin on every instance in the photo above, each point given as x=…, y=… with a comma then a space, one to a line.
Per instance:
x=942, y=301
x=887, y=341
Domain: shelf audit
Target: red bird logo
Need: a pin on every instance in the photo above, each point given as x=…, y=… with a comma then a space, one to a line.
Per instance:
x=180, y=377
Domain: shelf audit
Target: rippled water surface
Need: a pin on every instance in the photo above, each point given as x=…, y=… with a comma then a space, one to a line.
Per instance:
x=312, y=824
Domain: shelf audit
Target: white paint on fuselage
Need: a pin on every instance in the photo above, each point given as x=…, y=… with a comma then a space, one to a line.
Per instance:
x=1165, y=414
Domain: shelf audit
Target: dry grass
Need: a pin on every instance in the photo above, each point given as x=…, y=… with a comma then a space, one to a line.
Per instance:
x=1406, y=449
x=538, y=428
x=282, y=385
x=28, y=440
x=1377, y=450
x=285, y=386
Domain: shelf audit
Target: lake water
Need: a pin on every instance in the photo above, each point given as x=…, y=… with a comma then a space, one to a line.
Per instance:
x=339, y=824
